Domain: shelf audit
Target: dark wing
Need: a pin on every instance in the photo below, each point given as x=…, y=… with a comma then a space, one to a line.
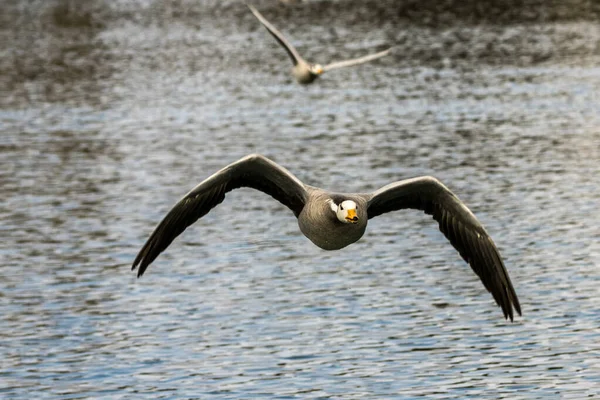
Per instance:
x=254, y=171
x=459, y=225
x=356, y=61
x=291, y=50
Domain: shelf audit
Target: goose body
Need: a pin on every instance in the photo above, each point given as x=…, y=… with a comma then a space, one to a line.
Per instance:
x=303, y=71
x=333, y=221
x=329, y=233
x=306, y=73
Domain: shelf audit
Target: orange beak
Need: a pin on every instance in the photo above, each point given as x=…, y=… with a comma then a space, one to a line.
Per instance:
x=351, y=217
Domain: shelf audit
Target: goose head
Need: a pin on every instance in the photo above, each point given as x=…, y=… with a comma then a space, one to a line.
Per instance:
x=345, y=211
x=316, y=69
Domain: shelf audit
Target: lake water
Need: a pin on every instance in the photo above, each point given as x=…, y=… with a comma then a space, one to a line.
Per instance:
x=111, y=111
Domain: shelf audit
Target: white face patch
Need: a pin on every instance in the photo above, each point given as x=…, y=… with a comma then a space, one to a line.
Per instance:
x=342, y=210
x=348, y=205
x=334, y=207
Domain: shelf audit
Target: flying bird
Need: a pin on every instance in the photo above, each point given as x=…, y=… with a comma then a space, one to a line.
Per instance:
x=303, y=71
x=333, y=221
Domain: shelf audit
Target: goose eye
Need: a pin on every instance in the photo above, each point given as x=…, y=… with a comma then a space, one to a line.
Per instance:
x=341, y=207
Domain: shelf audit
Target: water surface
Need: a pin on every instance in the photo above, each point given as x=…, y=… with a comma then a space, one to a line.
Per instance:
x=110, y=113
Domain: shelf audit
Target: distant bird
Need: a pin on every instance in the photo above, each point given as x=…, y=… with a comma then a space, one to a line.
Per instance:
x=303, y=71
x=332, y=221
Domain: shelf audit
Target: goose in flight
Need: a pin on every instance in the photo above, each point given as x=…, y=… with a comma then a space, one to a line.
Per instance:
x=303, y=71
x=335, y=220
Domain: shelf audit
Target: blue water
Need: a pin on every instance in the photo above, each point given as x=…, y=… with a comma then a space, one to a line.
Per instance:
x=104, y=128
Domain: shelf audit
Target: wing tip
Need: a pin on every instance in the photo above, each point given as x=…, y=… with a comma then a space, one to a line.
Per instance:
x=509, y=308
x=513, y=300
x=135, y=263
x=254, y=11
x=141, y=261
x=142, y=267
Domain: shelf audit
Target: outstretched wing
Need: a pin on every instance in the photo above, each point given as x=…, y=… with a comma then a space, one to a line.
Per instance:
x=291, y=50
x=254, y=171
x=355, y=61
x=460, y=227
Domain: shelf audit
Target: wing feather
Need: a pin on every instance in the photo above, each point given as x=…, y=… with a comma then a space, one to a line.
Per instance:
x=254, y=171
x=459, y=225
x=291, y=50
x=356, y=61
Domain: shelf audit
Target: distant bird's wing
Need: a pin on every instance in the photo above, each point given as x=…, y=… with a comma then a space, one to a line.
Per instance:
x=460, y=227
x=291, y=50
x=254, y=171
x=355, y=61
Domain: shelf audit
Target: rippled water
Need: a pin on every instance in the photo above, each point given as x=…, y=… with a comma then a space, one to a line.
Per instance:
x=110, y=113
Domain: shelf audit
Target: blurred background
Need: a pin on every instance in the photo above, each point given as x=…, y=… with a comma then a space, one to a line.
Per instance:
x=110, y=111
